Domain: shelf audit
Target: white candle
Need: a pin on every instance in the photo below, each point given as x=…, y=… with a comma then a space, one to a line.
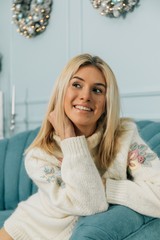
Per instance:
x=13, y=100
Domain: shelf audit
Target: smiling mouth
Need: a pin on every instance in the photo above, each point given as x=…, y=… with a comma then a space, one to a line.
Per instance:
x=83, y=108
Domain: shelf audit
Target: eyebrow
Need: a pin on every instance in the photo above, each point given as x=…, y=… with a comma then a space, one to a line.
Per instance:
x=97, y=84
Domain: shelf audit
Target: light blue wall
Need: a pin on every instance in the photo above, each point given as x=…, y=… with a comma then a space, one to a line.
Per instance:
x=131, y=46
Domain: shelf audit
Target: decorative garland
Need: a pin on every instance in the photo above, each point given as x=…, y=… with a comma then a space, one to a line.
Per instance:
x=31, y=16
x=114, y=8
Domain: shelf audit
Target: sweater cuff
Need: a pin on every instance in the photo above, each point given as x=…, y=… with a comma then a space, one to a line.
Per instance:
x=75, y=146
x=116, y=191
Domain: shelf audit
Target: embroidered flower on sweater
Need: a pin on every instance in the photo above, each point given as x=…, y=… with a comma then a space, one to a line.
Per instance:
x=51, y=174
x=138, y=155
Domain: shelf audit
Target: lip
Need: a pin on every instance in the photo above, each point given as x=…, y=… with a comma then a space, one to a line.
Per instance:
x=83, y=107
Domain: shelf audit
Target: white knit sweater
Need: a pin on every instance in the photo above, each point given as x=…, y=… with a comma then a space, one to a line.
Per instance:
x=72, y=186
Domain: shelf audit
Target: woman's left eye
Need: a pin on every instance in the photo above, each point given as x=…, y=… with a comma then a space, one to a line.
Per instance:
x=97, y=90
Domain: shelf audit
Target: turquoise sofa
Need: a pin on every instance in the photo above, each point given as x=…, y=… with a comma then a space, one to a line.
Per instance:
x=15, y=186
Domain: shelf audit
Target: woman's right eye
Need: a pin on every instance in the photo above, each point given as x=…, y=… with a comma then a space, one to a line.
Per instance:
x=76, y=85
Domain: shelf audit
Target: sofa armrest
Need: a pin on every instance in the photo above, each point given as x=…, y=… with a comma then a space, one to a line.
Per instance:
x=15, y=185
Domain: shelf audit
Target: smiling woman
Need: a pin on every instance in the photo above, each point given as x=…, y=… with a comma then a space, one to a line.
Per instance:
x=82, y=162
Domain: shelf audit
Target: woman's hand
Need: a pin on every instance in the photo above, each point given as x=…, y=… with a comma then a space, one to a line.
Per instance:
x=68, y=129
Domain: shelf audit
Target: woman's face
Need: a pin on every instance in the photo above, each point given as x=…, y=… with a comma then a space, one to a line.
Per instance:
x=85, y=99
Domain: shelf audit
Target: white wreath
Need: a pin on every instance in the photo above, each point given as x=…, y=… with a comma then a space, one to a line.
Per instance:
x=31, y=16
x=114, y=8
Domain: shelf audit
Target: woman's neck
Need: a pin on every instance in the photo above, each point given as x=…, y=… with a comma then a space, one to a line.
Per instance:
x=86, y=131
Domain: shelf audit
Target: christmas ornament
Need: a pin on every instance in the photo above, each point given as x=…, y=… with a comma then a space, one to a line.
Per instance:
x=31, y=16
x=114, y=8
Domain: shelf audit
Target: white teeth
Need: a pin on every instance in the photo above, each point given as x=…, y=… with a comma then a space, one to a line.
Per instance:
x=83, y=108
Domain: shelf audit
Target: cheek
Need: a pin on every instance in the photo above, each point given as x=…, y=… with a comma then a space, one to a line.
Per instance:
x=102, y=105
x=68, y=99
x=65, y=106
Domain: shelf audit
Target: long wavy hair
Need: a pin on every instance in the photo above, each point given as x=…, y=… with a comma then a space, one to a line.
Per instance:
x=110, y=121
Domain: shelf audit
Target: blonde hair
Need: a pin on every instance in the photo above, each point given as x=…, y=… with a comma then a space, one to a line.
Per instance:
x=110, y=120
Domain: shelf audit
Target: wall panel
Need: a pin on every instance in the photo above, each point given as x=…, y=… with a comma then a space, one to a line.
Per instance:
x=130, y=46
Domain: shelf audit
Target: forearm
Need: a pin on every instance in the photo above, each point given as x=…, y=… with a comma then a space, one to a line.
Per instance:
x=80, y=173
x=143, y=197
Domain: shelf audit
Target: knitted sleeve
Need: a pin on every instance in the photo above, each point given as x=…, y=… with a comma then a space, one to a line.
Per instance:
x=75, y=187
x=142, y=193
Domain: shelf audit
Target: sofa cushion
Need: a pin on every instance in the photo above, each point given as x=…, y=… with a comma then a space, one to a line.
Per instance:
x=150, y=132
x=4, y=215
x=15, y=185
x=117, y=223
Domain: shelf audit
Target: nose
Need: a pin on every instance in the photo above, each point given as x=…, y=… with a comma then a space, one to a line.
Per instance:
x=85, y=95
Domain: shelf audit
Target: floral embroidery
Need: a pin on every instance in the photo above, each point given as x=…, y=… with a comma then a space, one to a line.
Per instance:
x=51, y=174
x=138, y=155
